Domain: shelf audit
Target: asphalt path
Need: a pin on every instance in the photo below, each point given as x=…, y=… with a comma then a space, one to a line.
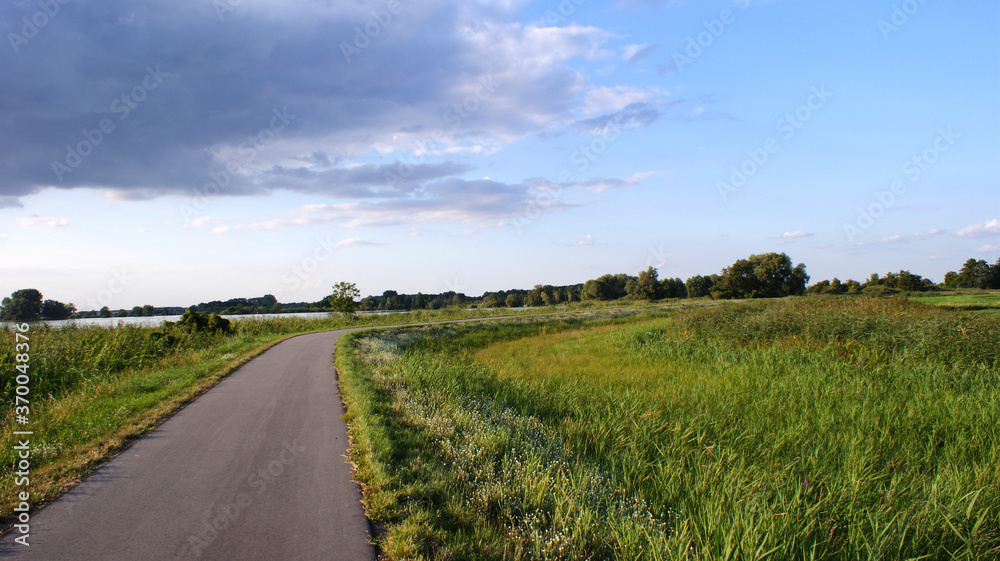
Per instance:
x=253, y=469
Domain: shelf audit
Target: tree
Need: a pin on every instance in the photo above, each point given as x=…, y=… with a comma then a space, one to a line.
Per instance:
x=901, y=281
x=828, y=287
x=619, y=284
x=909, y=282
x=22, y=305
x=56, y=310
x=836, y=287
x=533, y=298
x=194, y=322
x=597, y=289
x=571, y=294
x=514, y=300
x=105, y=312
x=673, y=288
x=148, y=310
x=698, y=286
x=420, y=302
x=975, y=274
x=342, y=299
x=647, y=285
x=769, y=275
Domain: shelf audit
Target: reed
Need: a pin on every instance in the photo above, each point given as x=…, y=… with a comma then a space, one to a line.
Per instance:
x=808, y=428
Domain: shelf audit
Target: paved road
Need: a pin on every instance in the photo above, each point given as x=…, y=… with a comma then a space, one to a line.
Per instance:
x=253, y=469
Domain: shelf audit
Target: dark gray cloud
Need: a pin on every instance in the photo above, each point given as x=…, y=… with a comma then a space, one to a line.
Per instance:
x=152, y=97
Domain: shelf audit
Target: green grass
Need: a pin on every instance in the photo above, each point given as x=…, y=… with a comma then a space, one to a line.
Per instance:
x=967, y=300
x=830, y=428
x=93, y=389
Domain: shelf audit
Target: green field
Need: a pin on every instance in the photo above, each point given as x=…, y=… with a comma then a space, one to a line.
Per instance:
x=94, y=388
x=967, y=300
x=828, y=428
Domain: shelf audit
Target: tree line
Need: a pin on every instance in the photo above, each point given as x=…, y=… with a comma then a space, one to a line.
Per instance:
x=769, y=275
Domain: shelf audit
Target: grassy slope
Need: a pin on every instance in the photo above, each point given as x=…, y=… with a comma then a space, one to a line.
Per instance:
x=93, y=389
x=826, y=428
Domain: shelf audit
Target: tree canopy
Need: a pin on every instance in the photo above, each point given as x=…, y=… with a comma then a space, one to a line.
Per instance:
x=769, y=275
x=22, y=305
x=343, y=298
x=975, y=274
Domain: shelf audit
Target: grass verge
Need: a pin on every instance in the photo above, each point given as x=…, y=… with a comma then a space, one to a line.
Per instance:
x=94, y=389
x=842, y=428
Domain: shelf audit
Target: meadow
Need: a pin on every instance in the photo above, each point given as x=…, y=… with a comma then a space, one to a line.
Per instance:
x=805, y=428
x=971, y=300
x=93, y=389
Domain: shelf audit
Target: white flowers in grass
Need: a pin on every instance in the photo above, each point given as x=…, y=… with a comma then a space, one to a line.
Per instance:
x=515, y=472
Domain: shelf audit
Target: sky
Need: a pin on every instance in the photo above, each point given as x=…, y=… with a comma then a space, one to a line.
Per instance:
x=170, y=152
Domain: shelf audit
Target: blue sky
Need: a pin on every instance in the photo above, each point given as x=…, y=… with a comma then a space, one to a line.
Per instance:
x=173, y=152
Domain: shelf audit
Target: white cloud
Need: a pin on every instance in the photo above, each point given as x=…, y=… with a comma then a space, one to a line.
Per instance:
x=608, y=99
x=792, y=235
x=584, y=241
x=989, y=248
x=352, y=242
x=906, y=239
x=988, y=228
x=45, y=221
x=202, y=221
x=484, y=202
x=601, y=184
x=636, y=52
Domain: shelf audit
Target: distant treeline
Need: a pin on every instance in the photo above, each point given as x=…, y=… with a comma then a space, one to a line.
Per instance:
x=976, y=274
x=768, y=275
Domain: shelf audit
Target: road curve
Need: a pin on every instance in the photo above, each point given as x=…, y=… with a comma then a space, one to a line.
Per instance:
x=253, y=469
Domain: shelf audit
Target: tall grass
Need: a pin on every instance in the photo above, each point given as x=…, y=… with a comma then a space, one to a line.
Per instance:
x=93, y=388
x=461, y=475
x=826, y=428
